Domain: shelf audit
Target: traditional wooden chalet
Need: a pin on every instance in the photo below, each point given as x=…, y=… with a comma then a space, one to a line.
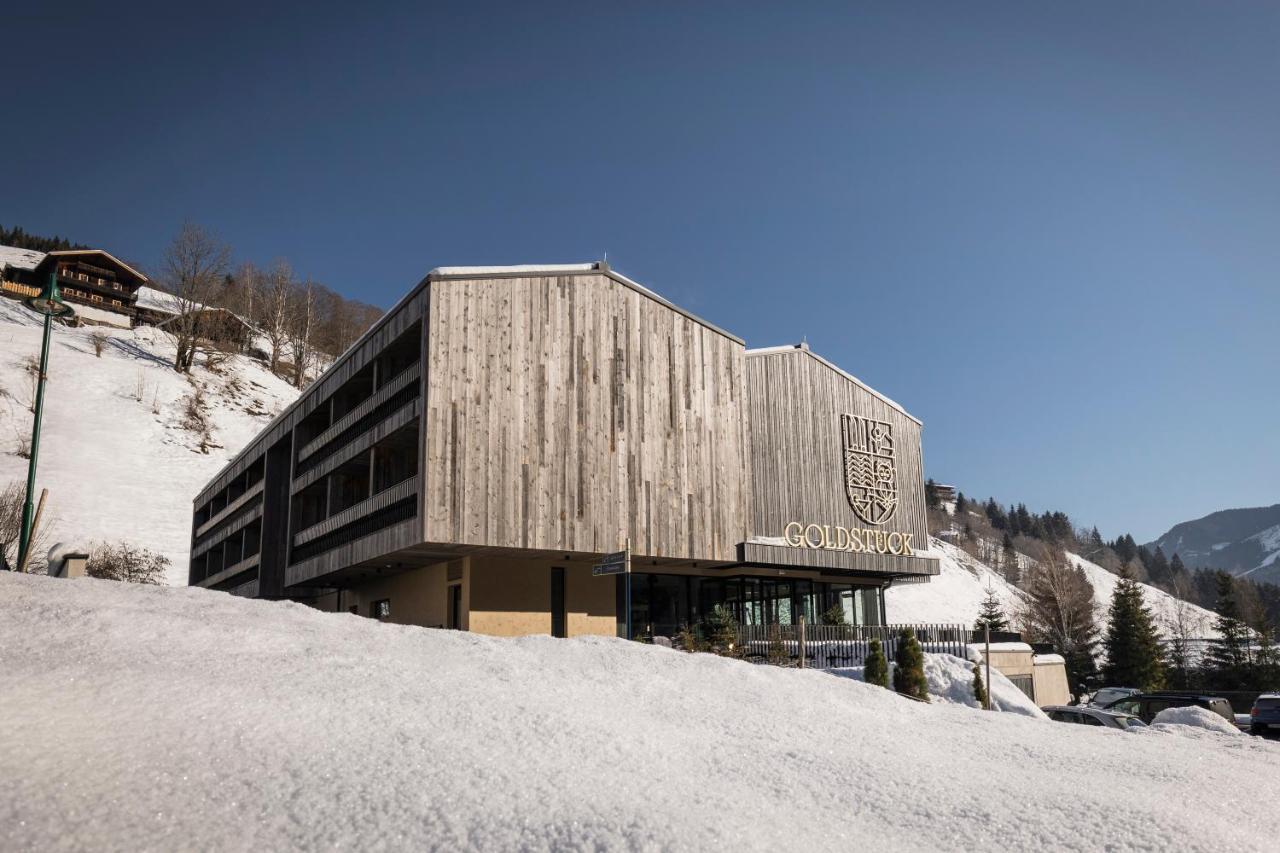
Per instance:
x=219, y=325
x=471, y=458
x=88, y=278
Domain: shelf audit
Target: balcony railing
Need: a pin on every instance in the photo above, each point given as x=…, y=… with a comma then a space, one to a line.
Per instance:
x=830, y=646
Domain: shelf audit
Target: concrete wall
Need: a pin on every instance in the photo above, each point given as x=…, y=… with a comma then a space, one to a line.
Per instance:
x=512, y=597
x=1050, y=679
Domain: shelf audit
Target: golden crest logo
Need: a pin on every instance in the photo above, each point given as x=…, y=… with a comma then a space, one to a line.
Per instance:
x=870, y=468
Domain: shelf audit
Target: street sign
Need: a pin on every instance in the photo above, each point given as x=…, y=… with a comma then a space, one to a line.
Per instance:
x=617, y=563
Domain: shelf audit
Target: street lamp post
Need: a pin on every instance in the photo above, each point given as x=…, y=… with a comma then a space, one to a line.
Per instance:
x=49, y=304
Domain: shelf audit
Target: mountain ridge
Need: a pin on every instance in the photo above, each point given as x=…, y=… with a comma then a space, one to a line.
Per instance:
x=1244, y=541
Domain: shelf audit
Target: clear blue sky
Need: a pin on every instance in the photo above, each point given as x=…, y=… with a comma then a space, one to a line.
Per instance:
x=1052, y=231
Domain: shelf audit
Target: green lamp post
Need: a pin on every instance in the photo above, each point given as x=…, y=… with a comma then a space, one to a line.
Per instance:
x=49, y=304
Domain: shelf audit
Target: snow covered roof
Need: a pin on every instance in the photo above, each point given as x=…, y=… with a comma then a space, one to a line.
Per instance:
x=804, y=348
x=99, y=315
x=1045, y=660
x=158, y=300
x=23, y=259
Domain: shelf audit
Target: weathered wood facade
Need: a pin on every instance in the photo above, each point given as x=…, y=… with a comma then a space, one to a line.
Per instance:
x=574, y=412
x=499, y=417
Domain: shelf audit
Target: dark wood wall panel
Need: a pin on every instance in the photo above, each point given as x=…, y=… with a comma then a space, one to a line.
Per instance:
x=570, y=412
x=391, y=326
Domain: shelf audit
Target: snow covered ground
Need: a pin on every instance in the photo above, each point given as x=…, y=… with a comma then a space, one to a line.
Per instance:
x=955, y=596
x=160, y=718
x=114, y=456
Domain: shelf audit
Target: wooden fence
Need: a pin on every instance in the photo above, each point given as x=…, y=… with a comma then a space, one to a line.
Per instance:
x=831, y=646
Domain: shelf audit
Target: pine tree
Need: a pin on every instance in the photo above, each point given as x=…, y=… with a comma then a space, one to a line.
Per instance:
x=996, y=515
x=931, y=494
x=1009, y=560
x=979, y=689
x=720, y=629
x=908, y=667
x=1134, y=655
x=1158, y=569
x=962, y=503
x=1227, y=660
x=877, y=668
x=991, y=616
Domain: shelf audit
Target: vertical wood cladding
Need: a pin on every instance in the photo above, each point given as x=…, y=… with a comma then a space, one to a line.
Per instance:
x=570, y=412
x=796, y=401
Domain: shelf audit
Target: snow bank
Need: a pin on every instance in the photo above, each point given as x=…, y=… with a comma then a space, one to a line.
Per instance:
x=950, y=682
x=114, y=455
x=1192, y=715
x=167, y=718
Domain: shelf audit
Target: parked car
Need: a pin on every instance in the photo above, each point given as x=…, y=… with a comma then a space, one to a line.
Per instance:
x=1265, y=714
x=1090, y=716
x=1145, y=706
x=1107, y=695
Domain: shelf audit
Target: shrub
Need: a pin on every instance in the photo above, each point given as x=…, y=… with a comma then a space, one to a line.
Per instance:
x=687, y=639
x=908, y=670
x=98, y=340
x=122, y=561
x=720, y=629
x=979, y=689
x=877, y=671
x=834, y=615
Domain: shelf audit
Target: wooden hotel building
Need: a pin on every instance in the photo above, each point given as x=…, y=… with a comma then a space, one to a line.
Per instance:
x=473, y=456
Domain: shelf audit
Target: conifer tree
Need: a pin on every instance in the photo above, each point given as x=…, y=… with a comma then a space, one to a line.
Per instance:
x=962, y=503
x=834, y=615
x=908, y=667
x=1135, y=657
x=720, y=629
x=991, y=616
x=979, y=689
x=1227, y=660
x=931, y=494
x=1009, y=560
x=877, y=669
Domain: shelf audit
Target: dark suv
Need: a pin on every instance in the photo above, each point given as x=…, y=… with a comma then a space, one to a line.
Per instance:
x=1265, y=715
x=1145, y=706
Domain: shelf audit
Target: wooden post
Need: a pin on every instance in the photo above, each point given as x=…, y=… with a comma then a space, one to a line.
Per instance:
x=35, y=529
x=986, y=634
x=801, y=640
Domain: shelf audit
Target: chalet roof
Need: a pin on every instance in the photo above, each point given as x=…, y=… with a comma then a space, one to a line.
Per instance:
x=161, y=302
x=66, y=253
x=23, y=259
x=803, y=348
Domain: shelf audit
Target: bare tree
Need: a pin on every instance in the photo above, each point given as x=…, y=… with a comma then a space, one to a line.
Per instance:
x=300, y=325
x=12, y=498
x=194, y=266
x=1184, y=625
x=1059, y=609
x=275, y=309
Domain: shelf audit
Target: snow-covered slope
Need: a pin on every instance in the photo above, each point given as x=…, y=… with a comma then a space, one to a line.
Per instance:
x=165, y=718
x=956, y=595
x=114, y=455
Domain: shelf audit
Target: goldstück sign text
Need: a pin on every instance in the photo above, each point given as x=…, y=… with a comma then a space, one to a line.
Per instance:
x=859, y=540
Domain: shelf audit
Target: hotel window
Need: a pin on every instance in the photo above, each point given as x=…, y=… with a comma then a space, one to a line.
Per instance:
x=380, y=609
x=115, y=301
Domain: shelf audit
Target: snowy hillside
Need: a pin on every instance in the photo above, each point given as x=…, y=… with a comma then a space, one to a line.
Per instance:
x=168, y=718
x=1244, y=542
x=956, y=595
x=115, y=455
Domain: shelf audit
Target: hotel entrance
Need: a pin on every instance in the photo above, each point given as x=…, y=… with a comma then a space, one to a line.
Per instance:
x=662, y=604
